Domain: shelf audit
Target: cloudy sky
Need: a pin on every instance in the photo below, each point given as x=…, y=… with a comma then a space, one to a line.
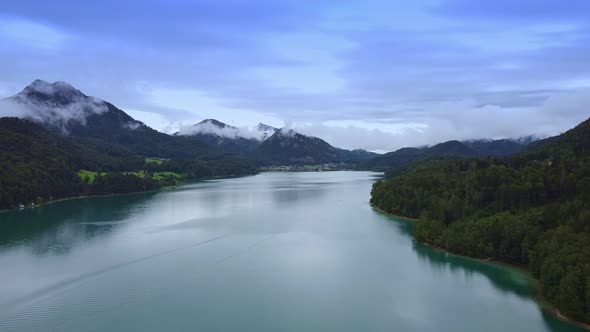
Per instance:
x=374, y=74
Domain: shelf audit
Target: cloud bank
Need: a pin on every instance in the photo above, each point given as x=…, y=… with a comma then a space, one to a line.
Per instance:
x=74, y=107
x=374, y=74
x=207, y=127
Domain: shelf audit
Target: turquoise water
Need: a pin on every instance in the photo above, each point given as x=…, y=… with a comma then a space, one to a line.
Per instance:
x=272, y=252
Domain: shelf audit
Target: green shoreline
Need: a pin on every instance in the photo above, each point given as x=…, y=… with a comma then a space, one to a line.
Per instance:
x=53, y=201
x=180, y=183
x=541, y=301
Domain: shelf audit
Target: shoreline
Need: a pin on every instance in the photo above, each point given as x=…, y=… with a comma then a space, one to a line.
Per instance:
x=178, y=184
x=522, y=268
x=541, y=301
x=63, y=199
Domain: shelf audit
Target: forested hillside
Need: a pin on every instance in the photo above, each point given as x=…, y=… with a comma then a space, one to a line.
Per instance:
x=290, y=147
x=33, y=163
x=530, y=209
x=399, y=160
x=38, y=164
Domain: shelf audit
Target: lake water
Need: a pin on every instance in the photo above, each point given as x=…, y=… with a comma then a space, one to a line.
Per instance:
x=272, y=252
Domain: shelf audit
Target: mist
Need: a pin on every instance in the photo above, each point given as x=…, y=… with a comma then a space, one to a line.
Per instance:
x=208, y=128
x=55, y=116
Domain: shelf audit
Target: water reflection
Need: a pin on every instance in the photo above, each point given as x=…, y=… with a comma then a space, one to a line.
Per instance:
x=509, y=280
x=288, y=196
x=558, y=325
x=56, y=228
x=297, y=251
x=504, y=278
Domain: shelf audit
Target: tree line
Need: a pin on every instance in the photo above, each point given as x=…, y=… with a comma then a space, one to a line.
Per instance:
x=38, y=165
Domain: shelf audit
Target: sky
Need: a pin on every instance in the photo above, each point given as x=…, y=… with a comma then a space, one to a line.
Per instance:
x=372, y=74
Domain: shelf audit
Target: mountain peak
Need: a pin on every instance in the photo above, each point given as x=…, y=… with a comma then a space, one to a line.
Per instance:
x=215, y=123
x=265, y=131
x=57, y=93
x=56, y=105
x=287, y=132
x=58, y=87
x=264, y=127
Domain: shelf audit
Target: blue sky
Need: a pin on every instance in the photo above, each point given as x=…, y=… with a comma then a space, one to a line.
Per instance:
x=369, y=74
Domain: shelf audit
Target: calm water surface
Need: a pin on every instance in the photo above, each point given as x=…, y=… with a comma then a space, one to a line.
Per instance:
x=273, y=252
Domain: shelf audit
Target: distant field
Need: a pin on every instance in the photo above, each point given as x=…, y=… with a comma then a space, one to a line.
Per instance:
x=90, y=177
x=157, y=161
x=159, y=175
x=140, y=174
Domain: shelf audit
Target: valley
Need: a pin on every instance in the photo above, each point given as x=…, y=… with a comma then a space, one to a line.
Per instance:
x=60, y=141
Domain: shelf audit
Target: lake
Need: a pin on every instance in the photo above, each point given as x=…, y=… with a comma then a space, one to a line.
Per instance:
x=272, y=252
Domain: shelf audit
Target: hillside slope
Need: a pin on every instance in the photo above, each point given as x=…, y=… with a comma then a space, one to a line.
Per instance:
x=39, y=165
x=400, y=159
x=61, y=108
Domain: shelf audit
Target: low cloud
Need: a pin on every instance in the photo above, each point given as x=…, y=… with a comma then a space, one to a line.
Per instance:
x=392, y=76
x=208, y=128
x=460, y=120
x=49, y=113
x=133, y=125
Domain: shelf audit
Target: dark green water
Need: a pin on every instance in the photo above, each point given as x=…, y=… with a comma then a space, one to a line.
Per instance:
x=273, y=252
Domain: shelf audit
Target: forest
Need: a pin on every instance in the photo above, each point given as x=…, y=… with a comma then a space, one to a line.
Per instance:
x=38, y=165
x=530, y=209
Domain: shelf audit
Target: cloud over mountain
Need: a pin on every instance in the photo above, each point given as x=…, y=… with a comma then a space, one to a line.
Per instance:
x=417, y=72
x=55, y=103
x=217, y=128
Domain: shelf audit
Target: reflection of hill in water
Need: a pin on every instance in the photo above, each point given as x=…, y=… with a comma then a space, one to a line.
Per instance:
x=503, y=277
x=55, y=228
x=558, y=325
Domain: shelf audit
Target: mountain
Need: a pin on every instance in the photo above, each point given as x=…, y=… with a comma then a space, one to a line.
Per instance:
x=498, y=148
x=286, y=146
x=62, y=108
x=478, y=148
x=529, y=209
x=223, y=137
x=62, y=143
x=271, y=145
x=357, y=155
x=65, y=110
x=216, y=128
x=265, y=131
x=40, y=164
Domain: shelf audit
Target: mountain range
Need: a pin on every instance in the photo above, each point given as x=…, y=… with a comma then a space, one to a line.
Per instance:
x=53, y=134
x=399, y=159
x=528, y=209
x=59, y=107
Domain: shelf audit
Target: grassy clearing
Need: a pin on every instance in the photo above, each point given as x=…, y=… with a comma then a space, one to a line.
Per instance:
x=140, y=174
x=156, y=161
x=160, y=175
x=88, y=176
x=310, y=166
